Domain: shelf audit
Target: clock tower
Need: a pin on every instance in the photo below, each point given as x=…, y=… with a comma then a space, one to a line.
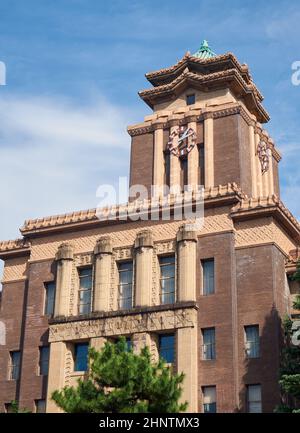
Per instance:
x=205, y=129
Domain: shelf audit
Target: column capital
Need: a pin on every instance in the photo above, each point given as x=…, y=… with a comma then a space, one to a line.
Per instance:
x=185, y=234
x=144, y=239
x=103, y=246
x=65, y=252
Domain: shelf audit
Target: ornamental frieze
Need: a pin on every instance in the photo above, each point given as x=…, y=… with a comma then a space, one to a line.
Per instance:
x=114, y=326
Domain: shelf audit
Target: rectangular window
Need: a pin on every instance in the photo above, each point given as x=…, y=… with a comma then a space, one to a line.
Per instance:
x=190, y=99
x=209, y=399
x=44, y=360
x=167, y=164
x=254, y=399
x=81, y=356
x=14, y=367
x=209, y=346
x=252, y=341
x=167, y=347
x=85, y=290
x=40, y=406
x=208, y=269
x=183, y=173
x=167, y=279
x=129, y=343
x=125, y=285
x=49, y=298
x=201, y=177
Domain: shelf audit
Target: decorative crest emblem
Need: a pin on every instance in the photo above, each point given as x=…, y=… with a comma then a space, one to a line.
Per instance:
x=262, y=152
x=182, y=141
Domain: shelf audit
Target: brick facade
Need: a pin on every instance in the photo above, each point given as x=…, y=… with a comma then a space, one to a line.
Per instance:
x=247, y=231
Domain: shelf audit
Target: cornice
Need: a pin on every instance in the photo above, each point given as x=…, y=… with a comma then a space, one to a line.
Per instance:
x=267, y=206
x=15, y=248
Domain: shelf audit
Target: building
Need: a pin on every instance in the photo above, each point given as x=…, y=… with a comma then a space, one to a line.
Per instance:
x=210, y=301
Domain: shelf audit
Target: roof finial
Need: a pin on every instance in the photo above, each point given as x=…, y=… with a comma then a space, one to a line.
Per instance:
x=204, y=52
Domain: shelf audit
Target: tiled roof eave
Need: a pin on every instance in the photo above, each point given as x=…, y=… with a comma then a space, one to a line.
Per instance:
x=150, y=95
x=243, y=69
x=86, y=219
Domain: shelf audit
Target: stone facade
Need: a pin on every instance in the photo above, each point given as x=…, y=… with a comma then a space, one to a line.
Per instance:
x=247, y=231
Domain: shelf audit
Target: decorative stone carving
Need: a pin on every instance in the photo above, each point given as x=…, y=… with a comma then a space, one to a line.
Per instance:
x=122, y=325
x=263, y=155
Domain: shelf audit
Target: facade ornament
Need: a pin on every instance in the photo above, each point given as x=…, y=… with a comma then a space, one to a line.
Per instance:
x=262, y=152
x=182, y=141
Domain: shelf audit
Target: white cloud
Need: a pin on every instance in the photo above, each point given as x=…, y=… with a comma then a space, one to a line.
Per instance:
x=54, y=153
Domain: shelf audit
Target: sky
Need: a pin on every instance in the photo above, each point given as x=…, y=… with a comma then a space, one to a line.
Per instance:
x=73, y=70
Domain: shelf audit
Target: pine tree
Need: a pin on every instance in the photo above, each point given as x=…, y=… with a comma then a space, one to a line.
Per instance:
x=120, y=381
x=290, y=366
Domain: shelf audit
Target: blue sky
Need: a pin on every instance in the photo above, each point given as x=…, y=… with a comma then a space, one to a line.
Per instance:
x=73, y=71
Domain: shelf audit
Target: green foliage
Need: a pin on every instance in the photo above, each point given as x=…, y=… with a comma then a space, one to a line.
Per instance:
x=290, y=364
x=120, y=381
x=16, y=409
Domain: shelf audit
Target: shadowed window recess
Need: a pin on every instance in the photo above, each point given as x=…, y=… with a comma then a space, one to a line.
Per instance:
x=40, y=406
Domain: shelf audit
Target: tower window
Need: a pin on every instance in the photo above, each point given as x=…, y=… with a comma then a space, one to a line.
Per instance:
x=190, y=99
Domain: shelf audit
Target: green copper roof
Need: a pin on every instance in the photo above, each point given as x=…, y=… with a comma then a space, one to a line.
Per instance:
x=204, y=51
